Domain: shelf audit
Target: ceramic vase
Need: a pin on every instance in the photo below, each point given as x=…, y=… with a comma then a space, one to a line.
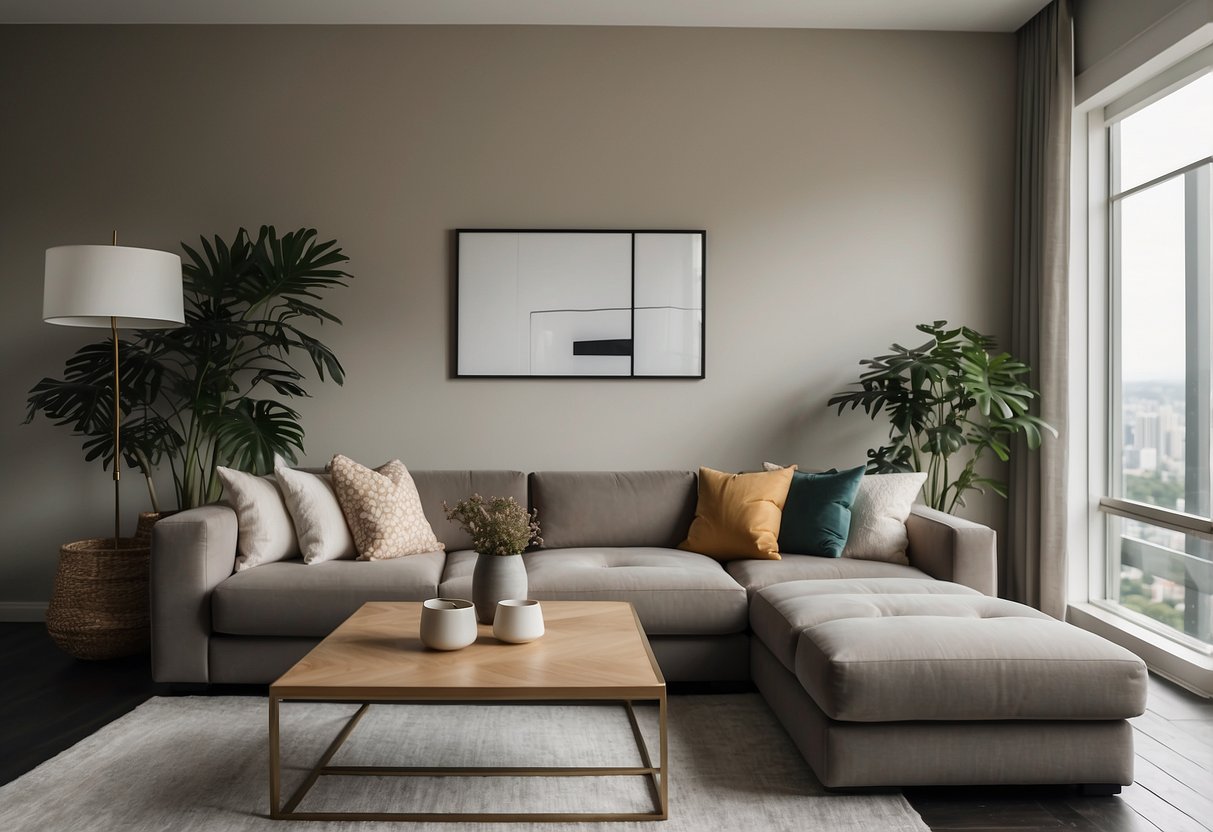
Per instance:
x=518, y=621
x=496, y=578
x=447, y=623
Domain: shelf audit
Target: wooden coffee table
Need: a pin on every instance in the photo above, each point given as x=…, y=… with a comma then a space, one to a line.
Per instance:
x=593, y=651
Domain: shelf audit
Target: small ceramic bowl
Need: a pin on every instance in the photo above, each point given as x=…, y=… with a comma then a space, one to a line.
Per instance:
x=518, y=622
x=448, y=623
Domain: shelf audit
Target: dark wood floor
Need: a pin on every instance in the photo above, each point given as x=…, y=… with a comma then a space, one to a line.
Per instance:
x=50, y=701
x=1173, y=792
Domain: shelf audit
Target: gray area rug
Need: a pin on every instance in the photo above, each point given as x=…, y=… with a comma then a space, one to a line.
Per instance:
x=201, y=763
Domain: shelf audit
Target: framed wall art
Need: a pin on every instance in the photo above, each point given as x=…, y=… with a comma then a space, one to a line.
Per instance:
x=579, y=303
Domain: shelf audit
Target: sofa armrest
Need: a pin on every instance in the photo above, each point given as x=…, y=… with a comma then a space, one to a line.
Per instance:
x=951, y=549
x=192, y=553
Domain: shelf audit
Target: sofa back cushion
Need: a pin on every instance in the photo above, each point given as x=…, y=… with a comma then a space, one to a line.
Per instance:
x=613, y=508
x=452, y=486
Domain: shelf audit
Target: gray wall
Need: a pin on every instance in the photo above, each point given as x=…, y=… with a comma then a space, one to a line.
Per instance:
x=1103, y=26
x=852, y=184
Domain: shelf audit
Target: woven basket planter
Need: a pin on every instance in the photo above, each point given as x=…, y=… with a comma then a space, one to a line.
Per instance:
x=99, y=604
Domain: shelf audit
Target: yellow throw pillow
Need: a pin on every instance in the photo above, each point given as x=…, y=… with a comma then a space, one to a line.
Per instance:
x=382, y=509
x=738, y=515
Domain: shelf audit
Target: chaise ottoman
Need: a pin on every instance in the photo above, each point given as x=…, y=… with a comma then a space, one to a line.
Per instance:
x=903, y=682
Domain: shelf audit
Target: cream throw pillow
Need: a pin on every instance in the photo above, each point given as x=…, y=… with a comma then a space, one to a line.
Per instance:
x=266, y=532
x=878, y=515
x=383, y=510
x=319, y=521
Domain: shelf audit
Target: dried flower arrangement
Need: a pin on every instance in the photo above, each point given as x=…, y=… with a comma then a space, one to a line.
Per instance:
x=498, y=525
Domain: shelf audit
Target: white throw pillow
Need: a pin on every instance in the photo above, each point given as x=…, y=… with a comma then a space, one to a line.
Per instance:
x=266, y=531
x=879, y=514
x=319, y=522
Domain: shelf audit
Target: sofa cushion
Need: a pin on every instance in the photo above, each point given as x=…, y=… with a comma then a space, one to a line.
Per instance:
x=613, y=508
x=292, y=598
x=435, y=487
x=319, y=521
x=878, y=517
x=889, y=658
x=780, y=612
x=674, y=592
x=266, y=531
x=817, y=514
x=879, y=512
x=383, y=509
x=738, y=516
x=758, y=574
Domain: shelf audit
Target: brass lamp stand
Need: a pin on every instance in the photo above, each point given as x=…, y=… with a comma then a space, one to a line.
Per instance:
x=117, y=428
x=98, y=606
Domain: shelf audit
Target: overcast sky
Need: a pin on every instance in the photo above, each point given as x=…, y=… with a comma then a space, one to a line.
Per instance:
x=1168, y=134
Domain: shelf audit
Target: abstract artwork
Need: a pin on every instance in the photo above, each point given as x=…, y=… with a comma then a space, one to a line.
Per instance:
x=612, y=304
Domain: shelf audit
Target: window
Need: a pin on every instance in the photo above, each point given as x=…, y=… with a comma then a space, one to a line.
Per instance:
x=1159, y=498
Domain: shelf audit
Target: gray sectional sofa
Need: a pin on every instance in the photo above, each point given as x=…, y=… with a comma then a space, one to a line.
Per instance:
x=884, y=674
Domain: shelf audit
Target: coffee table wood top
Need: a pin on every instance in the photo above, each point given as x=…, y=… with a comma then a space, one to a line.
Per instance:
x=591, y=650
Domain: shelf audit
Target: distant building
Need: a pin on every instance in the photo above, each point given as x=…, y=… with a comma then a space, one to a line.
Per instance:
x=1148, y=459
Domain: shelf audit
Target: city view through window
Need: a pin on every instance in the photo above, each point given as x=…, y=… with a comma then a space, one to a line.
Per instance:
x=1154, y=472
x=1162, y=225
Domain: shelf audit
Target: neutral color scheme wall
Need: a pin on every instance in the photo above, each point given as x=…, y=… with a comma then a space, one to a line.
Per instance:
x=851, y=183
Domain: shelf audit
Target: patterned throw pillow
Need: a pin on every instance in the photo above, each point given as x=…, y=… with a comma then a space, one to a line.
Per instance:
x=383, y=510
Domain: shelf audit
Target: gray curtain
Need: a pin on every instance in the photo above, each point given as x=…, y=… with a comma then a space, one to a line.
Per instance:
x=1034, y=570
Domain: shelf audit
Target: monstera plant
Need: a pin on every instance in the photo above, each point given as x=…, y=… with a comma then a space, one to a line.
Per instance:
x=210, y=392
x=948, y=402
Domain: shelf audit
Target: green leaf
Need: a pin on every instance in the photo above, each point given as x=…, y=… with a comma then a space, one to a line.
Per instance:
x=251, y=432
x=952, y=395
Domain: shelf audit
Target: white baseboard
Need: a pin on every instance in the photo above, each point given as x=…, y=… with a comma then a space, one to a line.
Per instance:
x=22, y=610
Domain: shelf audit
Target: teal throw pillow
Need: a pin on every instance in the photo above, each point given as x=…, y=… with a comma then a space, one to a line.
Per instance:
x=817, y=514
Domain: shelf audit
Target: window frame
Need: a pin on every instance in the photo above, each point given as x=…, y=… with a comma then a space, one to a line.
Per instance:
x=1105, y=447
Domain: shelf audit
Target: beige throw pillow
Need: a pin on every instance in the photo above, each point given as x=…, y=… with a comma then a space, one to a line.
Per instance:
x=383, y=510
x=319, y=521
x=266, y=533
x=878, y=515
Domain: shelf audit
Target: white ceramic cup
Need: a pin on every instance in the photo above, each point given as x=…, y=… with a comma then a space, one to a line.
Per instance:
x=448, y=623
x=518, y=622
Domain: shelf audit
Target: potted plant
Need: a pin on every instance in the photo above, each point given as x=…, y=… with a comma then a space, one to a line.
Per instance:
x=199, y=396
x=194, y=396
x=949, y=402
x=501, y=530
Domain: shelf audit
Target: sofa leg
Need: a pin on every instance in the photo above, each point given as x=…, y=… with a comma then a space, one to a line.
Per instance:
x=1098, y=789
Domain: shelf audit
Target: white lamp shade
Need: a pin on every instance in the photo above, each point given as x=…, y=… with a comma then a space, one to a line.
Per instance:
x=88, y=285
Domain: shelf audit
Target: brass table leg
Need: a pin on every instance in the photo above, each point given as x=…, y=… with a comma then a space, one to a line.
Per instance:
x=275, y=761
x=665, y=757
x=658, y=779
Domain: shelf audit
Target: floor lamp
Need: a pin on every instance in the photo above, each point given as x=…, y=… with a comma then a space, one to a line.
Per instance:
x=116, y=287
